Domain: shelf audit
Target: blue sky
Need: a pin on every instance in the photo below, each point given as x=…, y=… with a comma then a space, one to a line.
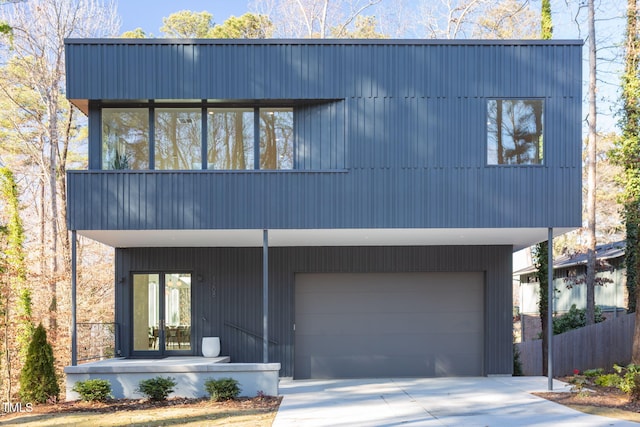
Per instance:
x=148, y=14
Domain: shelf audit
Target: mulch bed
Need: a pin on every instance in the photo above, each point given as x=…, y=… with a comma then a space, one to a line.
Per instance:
x=604, y=397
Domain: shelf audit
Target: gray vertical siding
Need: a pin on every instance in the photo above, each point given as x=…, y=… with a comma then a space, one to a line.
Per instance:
x=320, y=137
x=455, y=197
x=230, y=293
x=387, y=133
x=120, y=69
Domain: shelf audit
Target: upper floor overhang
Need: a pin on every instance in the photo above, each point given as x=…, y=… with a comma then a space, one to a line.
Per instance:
x=408, y=142
x=518, y=238
x=306, y=208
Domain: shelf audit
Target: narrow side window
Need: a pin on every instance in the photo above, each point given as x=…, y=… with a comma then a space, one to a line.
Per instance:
x=276, y=138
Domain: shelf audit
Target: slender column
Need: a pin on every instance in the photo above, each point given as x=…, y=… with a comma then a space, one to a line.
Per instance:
x=74, y=270
x=265, y=296
x=550, y=309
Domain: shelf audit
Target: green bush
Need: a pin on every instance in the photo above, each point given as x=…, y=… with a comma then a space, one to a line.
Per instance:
x=635, y=390
x=607, y=380
x=593, y=373
x=579, y=382
x=157, y=388
x=38, y=382
x=222, y=389
x=628, y=375
x=575, y=318
x=96, y=390
x=517, y=363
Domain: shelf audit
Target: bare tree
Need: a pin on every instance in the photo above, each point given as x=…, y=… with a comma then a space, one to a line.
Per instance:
x=45, y=135
x=508, y=19
x=452, y=19
x=312, y=18
x=591, y=170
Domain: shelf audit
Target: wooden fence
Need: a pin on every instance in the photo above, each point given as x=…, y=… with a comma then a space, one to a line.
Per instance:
x=596, y=346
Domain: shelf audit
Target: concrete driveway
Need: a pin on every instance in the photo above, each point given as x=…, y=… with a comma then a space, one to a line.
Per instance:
x=493, y=401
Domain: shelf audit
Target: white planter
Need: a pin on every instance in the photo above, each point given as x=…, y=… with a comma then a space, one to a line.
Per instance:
x=211, y=346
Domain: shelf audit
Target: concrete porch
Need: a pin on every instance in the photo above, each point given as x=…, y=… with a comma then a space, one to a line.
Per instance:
x=190, y=373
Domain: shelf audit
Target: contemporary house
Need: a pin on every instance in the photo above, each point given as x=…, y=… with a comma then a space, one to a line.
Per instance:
x=569, y=272
x=346, y=208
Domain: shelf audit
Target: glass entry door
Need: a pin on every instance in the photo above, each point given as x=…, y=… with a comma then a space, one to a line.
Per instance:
x=161, y=313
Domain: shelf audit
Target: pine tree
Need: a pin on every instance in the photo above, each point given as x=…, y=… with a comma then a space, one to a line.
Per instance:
x=38, y=381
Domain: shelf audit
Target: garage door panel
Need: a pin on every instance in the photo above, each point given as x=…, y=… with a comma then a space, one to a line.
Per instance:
x=362, y=283
x=371, y=302
x=361, y=367
x=390, y=324
x=457, y=365
x=394, y=366
x=385, y=323
x=391, y=345
x=399, y=301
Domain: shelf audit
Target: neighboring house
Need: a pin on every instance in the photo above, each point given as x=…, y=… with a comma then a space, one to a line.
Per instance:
x=569, y=273
x=358, y=201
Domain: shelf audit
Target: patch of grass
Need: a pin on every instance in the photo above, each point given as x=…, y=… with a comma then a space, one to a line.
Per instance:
x=607, y=412
x=253, y=412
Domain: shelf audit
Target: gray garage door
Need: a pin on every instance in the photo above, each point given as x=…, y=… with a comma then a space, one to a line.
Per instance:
x=389, y=325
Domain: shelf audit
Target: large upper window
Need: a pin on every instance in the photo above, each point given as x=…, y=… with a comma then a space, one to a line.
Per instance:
x=125, y=138
x=514, y=132
x=229, y=140
x=178, y=136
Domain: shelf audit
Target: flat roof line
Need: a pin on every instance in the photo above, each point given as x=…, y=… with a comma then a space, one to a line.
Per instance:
x=318, y=42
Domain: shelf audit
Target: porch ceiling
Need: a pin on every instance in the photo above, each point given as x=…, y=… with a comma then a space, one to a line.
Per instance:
x=518, y=237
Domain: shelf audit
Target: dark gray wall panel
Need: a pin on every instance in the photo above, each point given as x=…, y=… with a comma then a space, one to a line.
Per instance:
x=229, y=294
x=360, y=198
x=320, y=137
x=404, y=120
x=280, y=69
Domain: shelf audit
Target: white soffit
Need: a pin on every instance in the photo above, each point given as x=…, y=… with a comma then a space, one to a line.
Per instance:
x=518, y=237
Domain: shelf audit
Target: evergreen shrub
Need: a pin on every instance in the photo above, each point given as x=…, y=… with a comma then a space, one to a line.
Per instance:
x=222, y=389
x=38, y=381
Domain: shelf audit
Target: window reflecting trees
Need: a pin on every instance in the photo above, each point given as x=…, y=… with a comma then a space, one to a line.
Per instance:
x=515, y=132
x=125, y=138
x=276, y=138
x=230, y=138
x=178, y=138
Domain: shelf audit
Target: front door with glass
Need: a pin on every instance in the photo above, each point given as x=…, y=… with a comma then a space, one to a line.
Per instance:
x=161, y=314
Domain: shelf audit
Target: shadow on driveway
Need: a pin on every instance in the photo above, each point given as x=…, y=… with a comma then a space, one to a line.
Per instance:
x=492, y=401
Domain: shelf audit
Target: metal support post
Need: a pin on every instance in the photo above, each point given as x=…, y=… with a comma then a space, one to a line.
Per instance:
x=550, y=309
x=265, y=296
x=74, y=274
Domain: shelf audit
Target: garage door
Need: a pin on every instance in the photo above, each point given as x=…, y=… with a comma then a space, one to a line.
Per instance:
x=389, y=325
